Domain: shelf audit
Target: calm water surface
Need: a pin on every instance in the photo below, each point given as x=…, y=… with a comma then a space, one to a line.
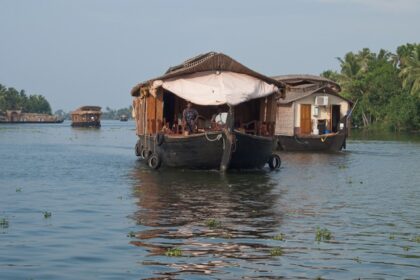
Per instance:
x=113, y=218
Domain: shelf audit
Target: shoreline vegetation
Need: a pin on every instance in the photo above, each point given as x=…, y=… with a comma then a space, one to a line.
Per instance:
x=386, y=85
x=12, y=99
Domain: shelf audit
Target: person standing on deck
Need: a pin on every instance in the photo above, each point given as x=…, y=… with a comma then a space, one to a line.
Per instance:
x=190, y=116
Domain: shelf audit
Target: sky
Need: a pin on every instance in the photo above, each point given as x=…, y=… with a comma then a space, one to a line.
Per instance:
x=92, y=52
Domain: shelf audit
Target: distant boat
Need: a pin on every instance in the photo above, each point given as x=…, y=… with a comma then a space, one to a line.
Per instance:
x=17, y=116
x=313, y=116
x=123, y=118
x=86, y=116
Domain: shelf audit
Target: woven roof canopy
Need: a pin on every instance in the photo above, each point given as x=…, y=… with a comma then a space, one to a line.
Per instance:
x=230, y=81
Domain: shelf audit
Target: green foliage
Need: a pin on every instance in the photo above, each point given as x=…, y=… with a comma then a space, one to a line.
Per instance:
x=275, y=252
x=110, y=114
x=173, y=252
x=386, y=85
x=322, y=234
x=280, y=237
x=213, y=223
x=4, y=223
x=11, y=99
x=47, y=214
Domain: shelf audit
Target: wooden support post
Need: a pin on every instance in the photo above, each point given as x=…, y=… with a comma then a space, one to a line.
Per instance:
x=228, y=138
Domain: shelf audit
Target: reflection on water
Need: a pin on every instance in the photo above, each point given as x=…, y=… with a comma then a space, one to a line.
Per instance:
x=176, y=207
x=114, y=218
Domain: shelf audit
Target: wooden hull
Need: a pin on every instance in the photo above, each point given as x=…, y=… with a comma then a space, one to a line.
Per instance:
x=250, y=151
x=333, y=143
x=205, y=151
x=95, y=124
x=192, y=152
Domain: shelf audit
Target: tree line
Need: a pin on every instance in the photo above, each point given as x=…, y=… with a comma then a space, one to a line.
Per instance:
x=12, y=99
x=107, y=114
x=386, y=85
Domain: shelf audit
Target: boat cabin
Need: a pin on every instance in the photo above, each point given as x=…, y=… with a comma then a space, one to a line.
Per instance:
x=312, y=106
x=86, y=116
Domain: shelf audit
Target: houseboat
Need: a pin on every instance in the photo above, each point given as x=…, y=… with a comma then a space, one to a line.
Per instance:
x=312, y=116
x=234, y=115
x=17, y=116
x=86, y=116
x=123, y=118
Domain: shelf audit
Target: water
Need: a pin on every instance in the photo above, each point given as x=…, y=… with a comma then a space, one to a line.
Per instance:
x=113, y=218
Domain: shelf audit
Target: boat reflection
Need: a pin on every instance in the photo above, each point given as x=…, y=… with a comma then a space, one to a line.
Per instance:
x=220, y=218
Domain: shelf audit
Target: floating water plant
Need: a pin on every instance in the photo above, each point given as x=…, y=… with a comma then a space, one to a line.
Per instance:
x=280, y=236
x=392, y=237
x=173, y=252
x=213, y=223
x=416, y=239
x=4, y=223
x=131, y=234
x=47, y=214
x=18, y=189
x=322, y=234
x=342, y=166
x=275, y=252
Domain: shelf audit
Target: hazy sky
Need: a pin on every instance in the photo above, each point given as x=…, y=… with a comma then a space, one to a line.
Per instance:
x=93, y=52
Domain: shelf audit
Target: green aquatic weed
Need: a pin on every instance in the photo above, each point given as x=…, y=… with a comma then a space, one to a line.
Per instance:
x=357, y=259
x=173, y=252
x=275, y=252
x=4, y=223
x=18, y=189
x=47, y=214
x=416, y=239
x=391, y=237
x=322, y=234
x=213, y=223
x=131, y=234
x=280, y=237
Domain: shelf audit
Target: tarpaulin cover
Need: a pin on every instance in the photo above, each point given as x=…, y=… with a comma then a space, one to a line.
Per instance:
x=217, y=88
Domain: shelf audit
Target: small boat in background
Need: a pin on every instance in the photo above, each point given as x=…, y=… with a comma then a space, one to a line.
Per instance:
x=123, y=118
x=86, y=116
x=313, y=116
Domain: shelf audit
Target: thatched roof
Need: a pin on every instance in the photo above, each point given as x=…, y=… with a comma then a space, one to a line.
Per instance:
x=297, y=79
x=87, y=110
x=211, y=61
x=301, y=86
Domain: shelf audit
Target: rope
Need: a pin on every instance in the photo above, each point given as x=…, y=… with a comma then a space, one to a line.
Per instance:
x=215, y=139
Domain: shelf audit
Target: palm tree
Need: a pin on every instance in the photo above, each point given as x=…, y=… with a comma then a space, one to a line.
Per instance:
x=410, y=73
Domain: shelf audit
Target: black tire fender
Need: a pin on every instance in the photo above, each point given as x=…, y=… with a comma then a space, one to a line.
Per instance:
x=154, y=161
x=274, y=162
x=145, y=154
